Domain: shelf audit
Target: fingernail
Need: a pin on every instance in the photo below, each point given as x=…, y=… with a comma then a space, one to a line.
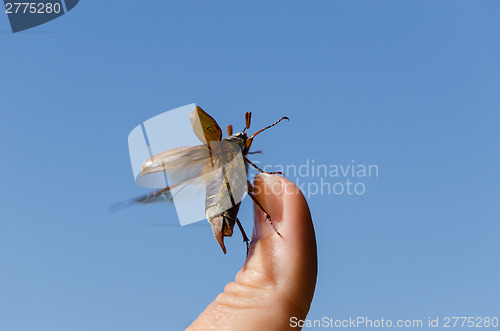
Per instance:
x=268, y=192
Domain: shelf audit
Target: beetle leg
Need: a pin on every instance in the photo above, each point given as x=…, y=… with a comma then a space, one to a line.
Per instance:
x=257, y=203
x=245, y=238
x=260, y=170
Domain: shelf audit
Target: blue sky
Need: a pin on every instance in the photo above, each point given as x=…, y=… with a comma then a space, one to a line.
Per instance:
x=409, y=86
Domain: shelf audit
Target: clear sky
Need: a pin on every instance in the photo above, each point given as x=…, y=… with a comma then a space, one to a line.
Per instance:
x=409, y=86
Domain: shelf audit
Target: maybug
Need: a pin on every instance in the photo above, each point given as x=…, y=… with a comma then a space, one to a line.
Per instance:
x=225, y=189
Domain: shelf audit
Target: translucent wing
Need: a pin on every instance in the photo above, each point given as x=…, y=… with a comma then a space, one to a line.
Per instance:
x=180, y=164
x=205, y=127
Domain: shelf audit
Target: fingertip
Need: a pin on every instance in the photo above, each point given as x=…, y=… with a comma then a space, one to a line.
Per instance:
x=293, y=255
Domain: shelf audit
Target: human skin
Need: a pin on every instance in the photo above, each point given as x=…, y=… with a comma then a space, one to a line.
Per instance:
x=278, y=278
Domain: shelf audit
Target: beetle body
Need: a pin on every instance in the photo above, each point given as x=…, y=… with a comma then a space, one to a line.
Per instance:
x=223, y=166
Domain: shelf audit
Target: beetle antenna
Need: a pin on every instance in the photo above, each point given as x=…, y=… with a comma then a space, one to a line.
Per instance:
x=250, y=139
x=248, y=116
x=230, y=130
x=270, y=126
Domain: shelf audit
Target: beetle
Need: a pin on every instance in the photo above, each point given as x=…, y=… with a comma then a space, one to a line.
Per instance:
x=212, y=162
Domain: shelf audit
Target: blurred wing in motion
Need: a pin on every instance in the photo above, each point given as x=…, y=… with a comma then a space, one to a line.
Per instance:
x=205, y=127
x=167, y=194
x=163, y=195
x=157, y=196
